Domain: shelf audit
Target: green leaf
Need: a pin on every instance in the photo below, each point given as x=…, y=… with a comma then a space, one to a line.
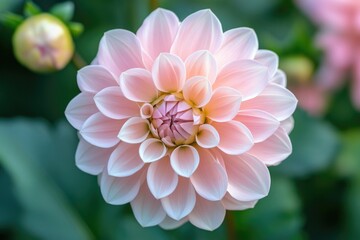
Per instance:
x=64, y=10
x=76, y=28
x=352, y=210
x=11, y=20
x=31, y=9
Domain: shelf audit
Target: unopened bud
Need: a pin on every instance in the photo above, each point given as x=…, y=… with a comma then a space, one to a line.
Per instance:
x=299, y=69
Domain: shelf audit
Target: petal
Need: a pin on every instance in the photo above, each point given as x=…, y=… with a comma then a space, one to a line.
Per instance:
x=134, y=130
x=269, y=59
x=201, y=63
x=101, y=131
x=79, y=109
x=247, y=76
x=113, y=104
x=125, y=160
x=197, y=91
x=261, y=124
x=249, y=178
x=288, y=124
x=181, y=202
x=152, y=150
x=231, y=203
x=199, y=31
x=169, y=73
x=279, y=78
x=207, y=136
x=169, y=223
x=119, y=51
x=184, y=160
x=209, y=179
x=235, y=137
x=276, y=100
x=238, y=43
x=94, y=78
x=223, y=105
x=274, y=149
x=148, y=211
x=158, y=31
x=161, y=178
x=207, y=215
x=137, y=85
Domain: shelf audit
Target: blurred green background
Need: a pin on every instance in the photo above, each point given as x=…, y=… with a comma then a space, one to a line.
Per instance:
x=315, y=193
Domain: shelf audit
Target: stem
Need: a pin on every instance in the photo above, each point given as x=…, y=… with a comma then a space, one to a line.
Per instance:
x=154, y=4
x=230, y=220
x=78, y=61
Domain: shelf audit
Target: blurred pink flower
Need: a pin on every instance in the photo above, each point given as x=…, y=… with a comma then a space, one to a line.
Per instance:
x=340, y=39
x=181, y=119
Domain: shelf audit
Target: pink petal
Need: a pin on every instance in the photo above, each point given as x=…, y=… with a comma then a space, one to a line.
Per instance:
x=125, y=160
x=79, y=109
x=235, y=137
x=161, y=178
x=201, y=63
x=94, y=78
x=261, y=124
x=119, y=51
x=207, y=215
x=238, y=43
x=134, y=130
x=249, y=178
x=181, y=202
x=276, y=100
x=274, y=149
x=279, y=78
x=246, y=76
x=355, y=90
x=223, y=105
x=197, y=91
x=231, y=203
x=169, y=223
x=209, y=179
x=207, y=136
x=152, y=150
x=287, y=124
x=148, y=210
x=199, y=31
x=137, y=85
x=101, y=131
x=184, y=160
x=169, y=73
x=269, y=59
x=113, y=104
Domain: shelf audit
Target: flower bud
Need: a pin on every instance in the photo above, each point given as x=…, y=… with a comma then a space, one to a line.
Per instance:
x=299, y=69
x=43, y=43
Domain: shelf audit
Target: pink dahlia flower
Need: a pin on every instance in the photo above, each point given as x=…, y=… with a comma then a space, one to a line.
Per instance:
x=182, y=119
x=340, y=39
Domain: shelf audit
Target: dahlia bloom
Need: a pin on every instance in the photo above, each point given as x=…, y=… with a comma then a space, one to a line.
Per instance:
x=182, y=120
x=340, y=39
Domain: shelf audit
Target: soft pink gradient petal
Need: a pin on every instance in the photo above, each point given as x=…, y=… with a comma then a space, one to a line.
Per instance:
x=169, y=73
x=199, y=31
x=249, y=178
x=137, y=85
x=210, y=179
x=261, y=124
x=124, y=160
x=207, y=215
x=134, y=130
x=274, y=149
x=79, y=109
x=279, y=78
x=184, y=160
x=235, y=137
x=168, y=223
x=231, y=203
x=269, y=59
x=161, y=178
x=207, y=136
x=101, y=131
x=111, y=102
x=287, y=124
x=238, y=43
x=201, y=63
x=151, y=150
x=94, y=78
x=197, y=91
x=181, y=202
x=246, y=76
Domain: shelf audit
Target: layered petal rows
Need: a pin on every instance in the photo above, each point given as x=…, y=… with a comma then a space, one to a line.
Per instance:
x=182, y=119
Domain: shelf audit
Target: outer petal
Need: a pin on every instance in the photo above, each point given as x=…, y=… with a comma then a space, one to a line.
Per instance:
x=169, y=223
x=249, y=178
x=119, y=51
x=238, y=43
x=201, y=63
x=207, y=136
x=209, y=179
x=197, y=91
x=169, y=73
x=184, y=160
x=231, y=203
x=199, y=31
x=113, y=104
x=235, y=137
x=223, y=105
x=287, y=124
x=125, y=160
x=161, y=178
x=134, y=130
x=207, y=215
x=247, y=76
x=152, y=150
x=94, y=78
x=279, y=78
x=269, y=59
